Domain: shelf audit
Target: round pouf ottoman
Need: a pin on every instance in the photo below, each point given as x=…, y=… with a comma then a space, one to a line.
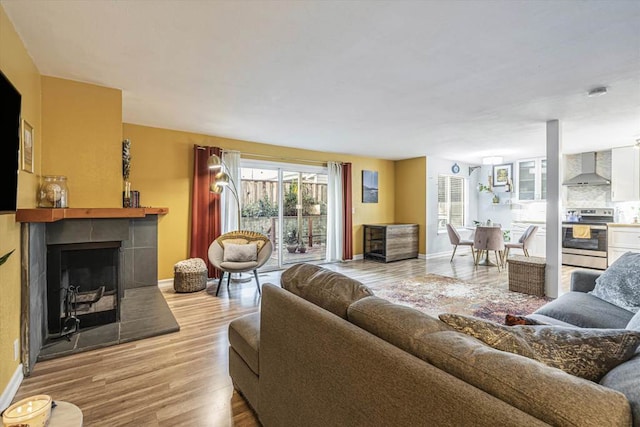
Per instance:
x=190, y=275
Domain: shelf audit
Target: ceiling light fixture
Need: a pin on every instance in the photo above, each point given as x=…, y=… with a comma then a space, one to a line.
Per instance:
x=492, y=160
x=598, y=91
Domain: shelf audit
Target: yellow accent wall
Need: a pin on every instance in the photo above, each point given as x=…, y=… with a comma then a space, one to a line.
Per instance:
x=162, y=170
x=17, y=65
x=82, y=127
x=411, y=195
x=78, y=132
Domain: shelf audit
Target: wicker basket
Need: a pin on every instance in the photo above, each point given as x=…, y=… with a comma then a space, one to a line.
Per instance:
x=190, y=275
x=527, y=275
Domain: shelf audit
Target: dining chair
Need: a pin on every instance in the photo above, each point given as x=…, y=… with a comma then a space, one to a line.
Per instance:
x=456, y=240
x=523, y=242
x=489, y=239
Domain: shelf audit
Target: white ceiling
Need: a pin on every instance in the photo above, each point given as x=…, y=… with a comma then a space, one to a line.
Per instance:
x=391, y=79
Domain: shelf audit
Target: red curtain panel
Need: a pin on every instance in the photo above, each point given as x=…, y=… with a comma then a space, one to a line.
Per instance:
x=347, y=214
x=205, y=208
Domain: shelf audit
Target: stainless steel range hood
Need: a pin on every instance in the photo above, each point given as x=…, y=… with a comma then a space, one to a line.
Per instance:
x=588, y=176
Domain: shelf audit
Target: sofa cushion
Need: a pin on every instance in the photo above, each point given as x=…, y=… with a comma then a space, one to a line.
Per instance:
x=244, y=337
x=620, y=283
x=586, y=311
x=399, y=325
x=548, y=394
x=625, y=378
x=240, y=253
x=325, y=288
x=586, y=353
x=634, y=323
x=549, y=320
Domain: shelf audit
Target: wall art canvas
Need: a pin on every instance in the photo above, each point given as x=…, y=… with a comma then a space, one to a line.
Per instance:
x=27, y=147
x=501, y=175
x=369, y=186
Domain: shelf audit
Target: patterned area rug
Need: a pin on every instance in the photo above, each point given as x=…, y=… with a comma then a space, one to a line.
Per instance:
x=435, y=294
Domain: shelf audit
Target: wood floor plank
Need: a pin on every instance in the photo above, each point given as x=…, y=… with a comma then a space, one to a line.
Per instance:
x=182, y=379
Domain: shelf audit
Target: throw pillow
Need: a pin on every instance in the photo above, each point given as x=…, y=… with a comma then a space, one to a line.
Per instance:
x=555, y=397
x=240, y=253
x=620, y=283
x=586, y=353
x=325, y=288
x=242, y=237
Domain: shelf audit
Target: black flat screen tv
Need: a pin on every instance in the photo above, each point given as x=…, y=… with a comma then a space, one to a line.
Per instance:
x=10, y=101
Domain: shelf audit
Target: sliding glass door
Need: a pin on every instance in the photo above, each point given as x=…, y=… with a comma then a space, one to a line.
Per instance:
x=289, y=205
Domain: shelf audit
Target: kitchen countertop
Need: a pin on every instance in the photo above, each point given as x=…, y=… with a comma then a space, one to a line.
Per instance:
x=618, y=224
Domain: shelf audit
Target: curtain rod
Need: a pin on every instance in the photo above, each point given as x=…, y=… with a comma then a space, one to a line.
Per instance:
x=266, y=156
x=291, y=159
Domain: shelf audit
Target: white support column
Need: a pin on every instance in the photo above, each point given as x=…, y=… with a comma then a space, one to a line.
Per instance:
x=554, y=223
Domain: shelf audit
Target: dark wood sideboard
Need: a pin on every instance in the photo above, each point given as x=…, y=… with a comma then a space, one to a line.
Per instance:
x=390, y=242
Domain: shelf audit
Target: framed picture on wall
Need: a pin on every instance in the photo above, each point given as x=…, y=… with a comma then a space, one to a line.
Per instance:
x=502, y=175
x=27, y=146
x=369, y=186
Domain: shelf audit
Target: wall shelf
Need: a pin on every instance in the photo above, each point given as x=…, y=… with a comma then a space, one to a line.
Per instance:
x=53, y=215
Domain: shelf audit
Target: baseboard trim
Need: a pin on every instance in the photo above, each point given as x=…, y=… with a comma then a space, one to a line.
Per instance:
x=438, y=255
x=11, y=389
x=358, y=257
x=164, y=282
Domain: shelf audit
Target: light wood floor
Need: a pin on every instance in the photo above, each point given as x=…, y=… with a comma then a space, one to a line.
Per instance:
x=181, y=379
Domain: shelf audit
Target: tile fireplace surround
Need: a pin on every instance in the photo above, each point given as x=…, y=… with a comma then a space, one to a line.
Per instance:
x=138, y=257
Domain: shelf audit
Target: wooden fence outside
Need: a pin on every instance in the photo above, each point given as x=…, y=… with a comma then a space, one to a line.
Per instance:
x=314, y=228
x=253, y=191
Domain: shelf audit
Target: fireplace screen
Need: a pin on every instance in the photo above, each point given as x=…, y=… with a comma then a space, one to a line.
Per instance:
x=82, y=286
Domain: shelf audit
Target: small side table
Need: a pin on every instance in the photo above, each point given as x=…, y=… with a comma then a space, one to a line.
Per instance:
x=65, y=414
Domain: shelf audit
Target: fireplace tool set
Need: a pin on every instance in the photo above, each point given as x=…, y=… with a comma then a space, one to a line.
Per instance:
x=70, y=322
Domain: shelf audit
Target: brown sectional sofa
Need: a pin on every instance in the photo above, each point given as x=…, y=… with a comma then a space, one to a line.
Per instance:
x=352, y=359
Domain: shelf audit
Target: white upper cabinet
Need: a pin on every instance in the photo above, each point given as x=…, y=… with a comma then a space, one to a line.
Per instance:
x=531, y=179
x=625, y=174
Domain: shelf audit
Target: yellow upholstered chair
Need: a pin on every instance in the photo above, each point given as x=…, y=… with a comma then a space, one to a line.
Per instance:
x=239, y=252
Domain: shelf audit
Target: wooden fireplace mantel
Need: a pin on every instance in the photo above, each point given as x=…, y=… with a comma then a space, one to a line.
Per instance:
x=53, y=215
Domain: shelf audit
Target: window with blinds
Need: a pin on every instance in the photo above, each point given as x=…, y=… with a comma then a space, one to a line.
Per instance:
x=450, y=201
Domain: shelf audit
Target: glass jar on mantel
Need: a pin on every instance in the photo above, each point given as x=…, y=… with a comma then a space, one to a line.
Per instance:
x=53, y=192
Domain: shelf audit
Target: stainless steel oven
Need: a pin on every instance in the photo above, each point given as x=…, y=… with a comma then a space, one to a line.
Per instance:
x=584, y=238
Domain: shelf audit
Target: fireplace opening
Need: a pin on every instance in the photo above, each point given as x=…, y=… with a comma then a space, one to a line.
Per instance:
x=83, y=286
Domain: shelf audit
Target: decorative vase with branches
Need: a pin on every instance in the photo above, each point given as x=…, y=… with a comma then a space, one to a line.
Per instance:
x=5, y=257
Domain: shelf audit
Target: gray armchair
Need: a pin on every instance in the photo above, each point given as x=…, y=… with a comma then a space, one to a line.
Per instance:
x=239, y=252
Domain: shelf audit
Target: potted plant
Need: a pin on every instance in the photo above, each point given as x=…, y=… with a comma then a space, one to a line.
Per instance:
x=301, y=247
x=482, y=188
x=292, y=241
